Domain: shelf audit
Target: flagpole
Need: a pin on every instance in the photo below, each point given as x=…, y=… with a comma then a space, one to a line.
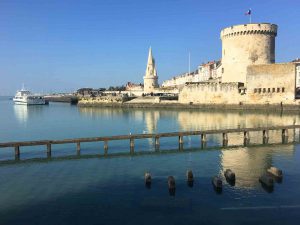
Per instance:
x=189, y=63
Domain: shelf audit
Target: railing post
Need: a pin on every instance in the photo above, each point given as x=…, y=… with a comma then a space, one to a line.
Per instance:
x=203, y=140
x=180, y=141
x=48, y=150
x=246, y=138
x=265, y=136
x=285, y=136
x=17, y=152
x=105, y=147
x=157, y=143
x=78, y=147
x=225, y=139
x=131, y=145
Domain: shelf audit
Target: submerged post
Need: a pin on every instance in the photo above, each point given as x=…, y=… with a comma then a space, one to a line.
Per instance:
x=157, y=143
x=180, y=140
x=131, y=145
x=246, y=138
x=285, y=136
x=48, y=150
x=17, y=151
x=78, y=147
x=203, y=140
x=105, y=146
x=265, y=136
x=225, y=139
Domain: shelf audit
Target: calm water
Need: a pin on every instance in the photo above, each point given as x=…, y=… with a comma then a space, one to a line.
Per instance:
x=92, y=189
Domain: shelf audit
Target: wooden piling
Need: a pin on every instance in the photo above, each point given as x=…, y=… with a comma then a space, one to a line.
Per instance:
x=78, y=146
x=265, y=136
x=148, y=179
x=180, y=139
x=225, y=139
x=17, y=151
x=105, y=146
x=246, y=138
x=131, y=145
x=285, y=136
x=48, y=150
x=157, y=144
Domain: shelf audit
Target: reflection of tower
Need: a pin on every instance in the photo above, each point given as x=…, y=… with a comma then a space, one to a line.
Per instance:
x=249, y=164
x=150, y=78
x=21, y=113
x=151, y=118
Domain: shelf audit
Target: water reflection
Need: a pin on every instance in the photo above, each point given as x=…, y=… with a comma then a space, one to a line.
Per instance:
x=24, y=112
x=194, y=119
x=21, y=113
x=251, y=163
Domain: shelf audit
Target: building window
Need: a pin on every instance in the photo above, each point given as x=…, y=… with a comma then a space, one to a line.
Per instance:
x=264, y=90
x=259, y=90
x=278, y=90
x=255, y=90
x=269, y=90
x=282, y=89
x=273, y=89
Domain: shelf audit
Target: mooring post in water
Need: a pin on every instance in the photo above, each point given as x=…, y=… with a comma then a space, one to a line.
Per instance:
x=180, y=139
x=157, y=143
x=17, y=151
x=203, y=140
x=105, y=146
x=48, y=150
x=265, y=136
x=225, y=139
x=285, y=136
x=131, y=145
x=78, y=147
x=246, y=138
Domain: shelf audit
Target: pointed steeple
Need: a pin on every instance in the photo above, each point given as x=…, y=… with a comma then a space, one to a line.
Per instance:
x=150, y=70
x=150, y=78
x=150, y=57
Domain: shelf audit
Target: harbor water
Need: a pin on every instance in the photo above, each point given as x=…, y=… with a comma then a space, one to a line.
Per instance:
x=93, y=188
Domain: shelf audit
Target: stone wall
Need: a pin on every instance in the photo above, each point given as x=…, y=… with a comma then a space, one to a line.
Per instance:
x=271, y=84
x=212, y=93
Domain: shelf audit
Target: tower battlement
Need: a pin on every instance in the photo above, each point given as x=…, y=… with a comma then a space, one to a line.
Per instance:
x=249, y=29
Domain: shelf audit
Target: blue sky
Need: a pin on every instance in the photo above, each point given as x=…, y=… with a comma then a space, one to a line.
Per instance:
x=62, y=45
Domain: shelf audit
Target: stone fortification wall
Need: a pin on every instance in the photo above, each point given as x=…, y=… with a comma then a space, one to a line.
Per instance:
x=211, y=93
x=244, y=45
x=271, y=84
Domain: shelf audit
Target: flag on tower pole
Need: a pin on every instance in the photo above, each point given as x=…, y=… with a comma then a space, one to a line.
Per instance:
x=249, y=13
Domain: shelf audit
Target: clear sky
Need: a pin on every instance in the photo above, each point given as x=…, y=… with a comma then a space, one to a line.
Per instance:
x=62, y=45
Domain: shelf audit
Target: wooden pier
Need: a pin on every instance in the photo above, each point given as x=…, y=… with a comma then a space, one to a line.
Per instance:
x=132, y=137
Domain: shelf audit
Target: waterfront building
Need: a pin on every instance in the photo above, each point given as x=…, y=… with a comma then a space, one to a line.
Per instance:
x=150, y=78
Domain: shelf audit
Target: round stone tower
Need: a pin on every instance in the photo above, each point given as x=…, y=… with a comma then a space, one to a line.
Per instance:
x=150, y=78
x=244, y=45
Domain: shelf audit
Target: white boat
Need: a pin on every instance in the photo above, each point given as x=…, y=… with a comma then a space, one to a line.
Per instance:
x=25, y=97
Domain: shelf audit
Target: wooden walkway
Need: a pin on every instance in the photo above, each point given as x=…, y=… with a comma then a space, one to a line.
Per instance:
x=180, y=135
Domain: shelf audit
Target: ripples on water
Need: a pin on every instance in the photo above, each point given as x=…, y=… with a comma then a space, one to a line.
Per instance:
x=110, y=190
